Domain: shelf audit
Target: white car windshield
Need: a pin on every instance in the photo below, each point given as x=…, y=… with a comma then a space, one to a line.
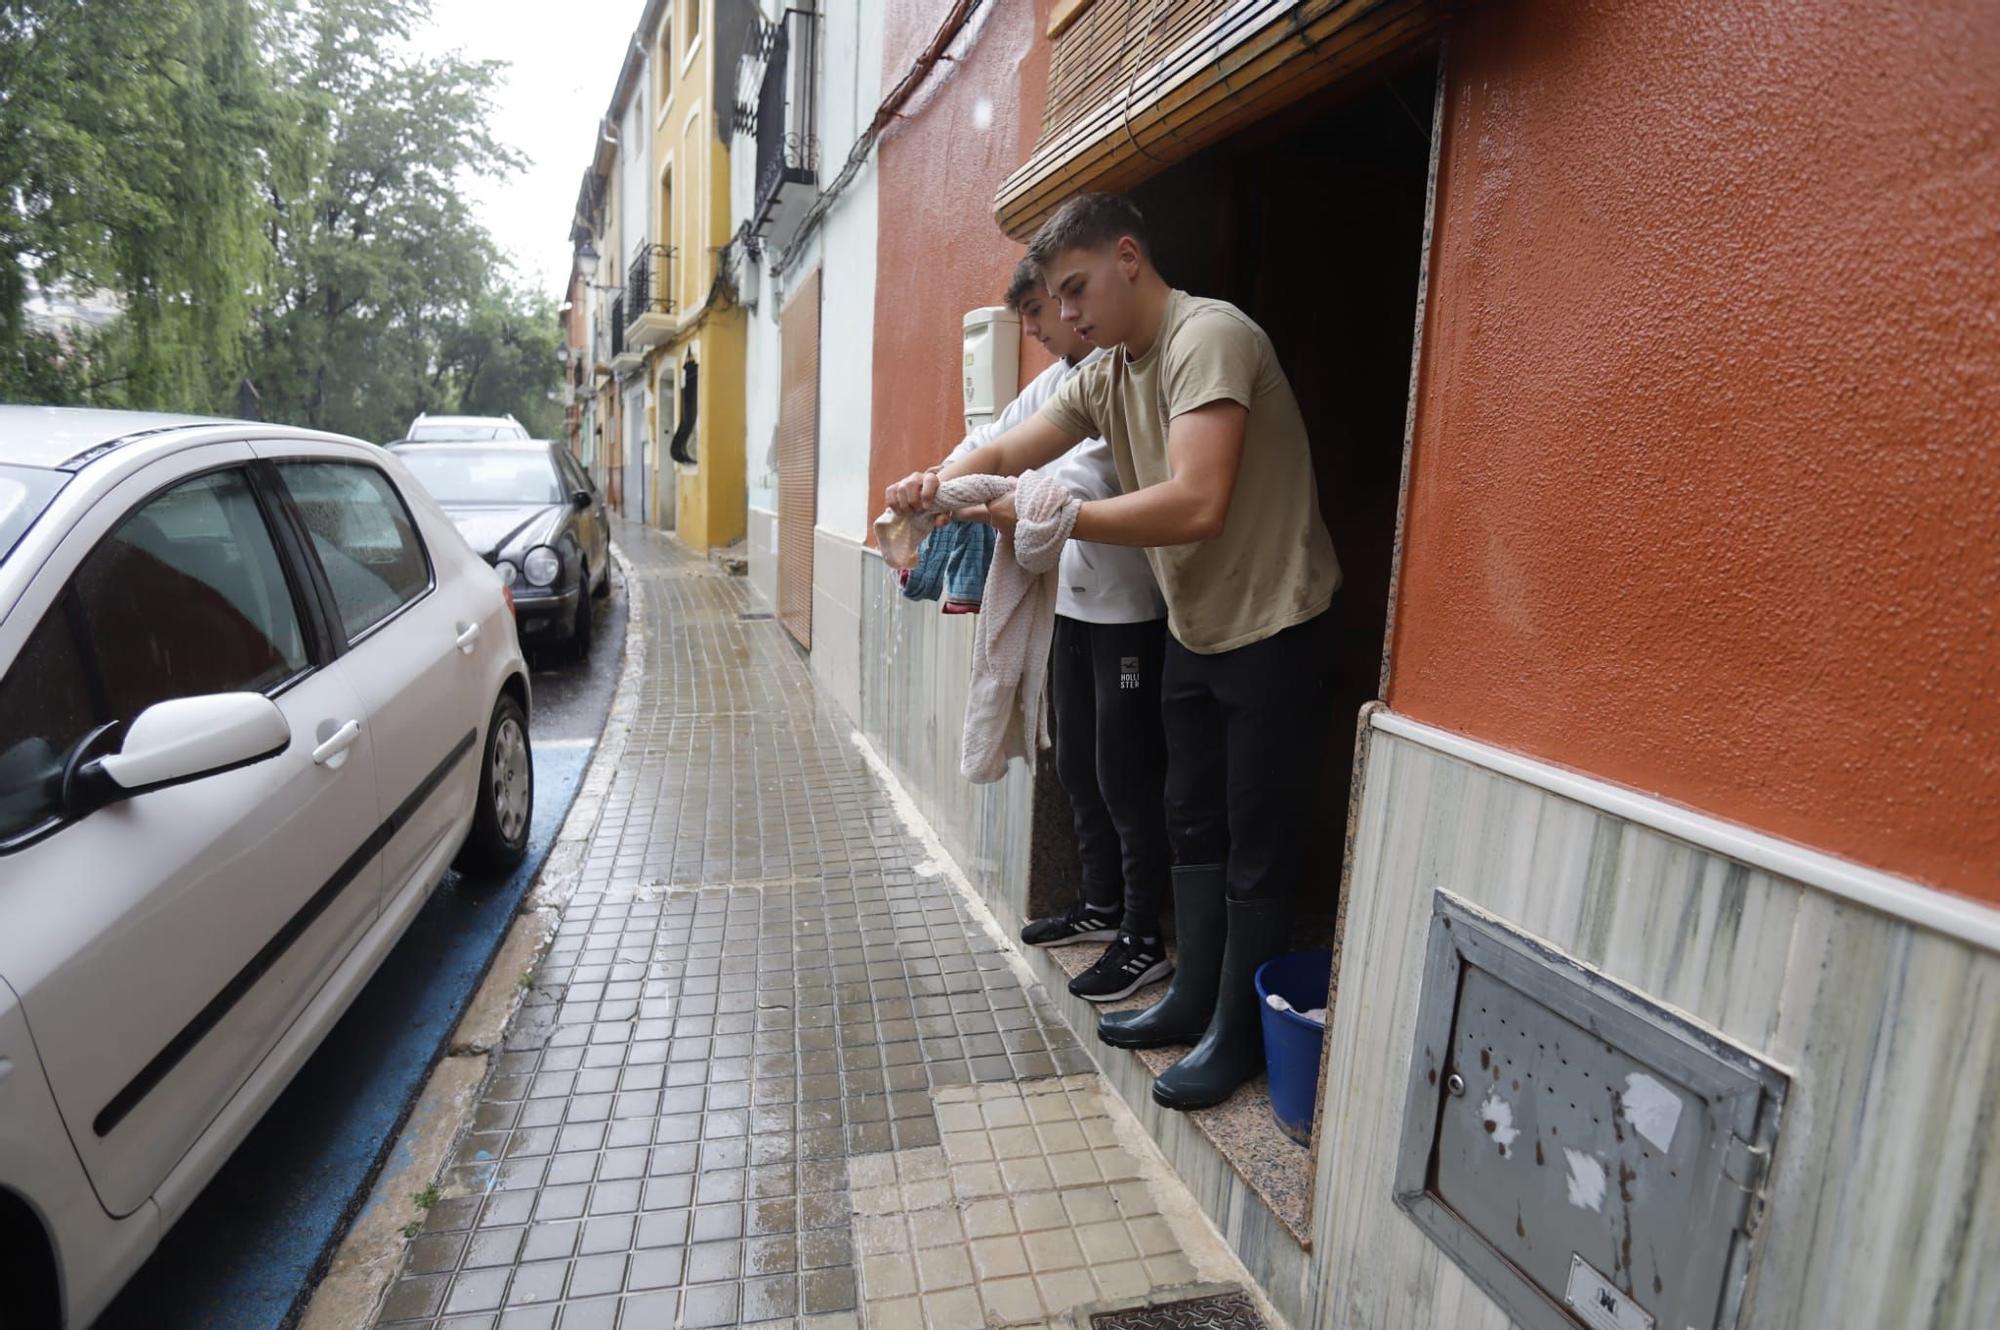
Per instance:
x=476, y=476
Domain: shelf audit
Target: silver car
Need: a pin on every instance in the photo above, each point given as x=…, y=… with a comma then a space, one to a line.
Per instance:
x=256, y=694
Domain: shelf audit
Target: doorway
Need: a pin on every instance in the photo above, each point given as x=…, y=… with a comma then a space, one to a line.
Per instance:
x=1312, y=222
x=636, y=488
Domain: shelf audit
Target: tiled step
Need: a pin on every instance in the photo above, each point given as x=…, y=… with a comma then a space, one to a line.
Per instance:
x=1254, y=1184
x=1242, y=1129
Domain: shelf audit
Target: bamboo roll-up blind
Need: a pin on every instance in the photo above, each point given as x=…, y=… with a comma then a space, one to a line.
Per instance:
x=1136, y=85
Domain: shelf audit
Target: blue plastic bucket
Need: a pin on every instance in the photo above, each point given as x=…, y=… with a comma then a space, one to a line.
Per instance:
x=1291, y=1042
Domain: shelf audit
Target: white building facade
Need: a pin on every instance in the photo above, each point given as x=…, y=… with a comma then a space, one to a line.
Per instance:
x=806, y=227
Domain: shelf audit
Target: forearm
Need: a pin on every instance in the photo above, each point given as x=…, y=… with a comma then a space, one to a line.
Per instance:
x=985, y=460
x=1032, y=443
x=1170, y=513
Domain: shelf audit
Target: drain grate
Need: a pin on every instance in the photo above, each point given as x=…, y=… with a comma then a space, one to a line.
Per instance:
x=1224, y=1311
x=754, y=616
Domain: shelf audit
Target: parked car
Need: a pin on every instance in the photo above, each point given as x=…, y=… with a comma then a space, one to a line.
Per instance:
x=481, y=428
x=536, y=516
x=255, y=695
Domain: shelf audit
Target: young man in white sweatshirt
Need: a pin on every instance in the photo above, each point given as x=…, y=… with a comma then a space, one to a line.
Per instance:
x=1104, y=691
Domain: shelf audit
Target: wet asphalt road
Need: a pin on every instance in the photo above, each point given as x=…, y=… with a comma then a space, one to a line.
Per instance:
x=247, y=1252
x=570, y=701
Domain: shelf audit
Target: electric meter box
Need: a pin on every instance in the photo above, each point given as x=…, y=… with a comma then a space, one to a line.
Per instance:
x=992, y=362
x=1588, y=1156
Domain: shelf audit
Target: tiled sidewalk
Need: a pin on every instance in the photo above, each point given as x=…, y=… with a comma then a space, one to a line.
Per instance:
x=770, y=1073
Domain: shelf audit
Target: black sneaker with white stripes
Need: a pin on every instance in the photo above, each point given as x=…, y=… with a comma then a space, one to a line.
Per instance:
x=1126, y=966
x=1079, y=923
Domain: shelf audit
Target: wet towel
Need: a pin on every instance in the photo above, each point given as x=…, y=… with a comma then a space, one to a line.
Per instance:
x=1017, y=621
x=952, y=563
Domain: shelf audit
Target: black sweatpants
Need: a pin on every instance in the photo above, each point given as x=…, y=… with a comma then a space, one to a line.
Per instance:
x=1104, y=685
x=1246, y=731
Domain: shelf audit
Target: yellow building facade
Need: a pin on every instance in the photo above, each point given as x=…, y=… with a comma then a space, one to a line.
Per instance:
x=691, y=329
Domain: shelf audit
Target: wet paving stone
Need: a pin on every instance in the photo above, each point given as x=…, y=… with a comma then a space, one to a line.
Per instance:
x=753, y=998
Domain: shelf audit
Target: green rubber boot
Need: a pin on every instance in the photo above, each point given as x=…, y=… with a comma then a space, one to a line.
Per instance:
x=1232, y=1051
x=1181, y=1015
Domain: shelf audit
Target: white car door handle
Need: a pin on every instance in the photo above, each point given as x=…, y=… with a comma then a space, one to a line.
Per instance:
x=341, y=740
x=467, y=636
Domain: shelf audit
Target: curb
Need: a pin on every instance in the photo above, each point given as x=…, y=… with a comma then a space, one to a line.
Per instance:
x=371, y=1252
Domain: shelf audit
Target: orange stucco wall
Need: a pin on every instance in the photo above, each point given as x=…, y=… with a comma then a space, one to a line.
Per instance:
x=1705, y=495
x=939, y=252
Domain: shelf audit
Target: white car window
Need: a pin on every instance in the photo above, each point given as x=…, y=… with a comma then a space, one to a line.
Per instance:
x=364, y=537
x=186, y=597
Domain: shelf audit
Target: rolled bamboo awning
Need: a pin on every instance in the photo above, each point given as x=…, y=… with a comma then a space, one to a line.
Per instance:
x=1137, y=85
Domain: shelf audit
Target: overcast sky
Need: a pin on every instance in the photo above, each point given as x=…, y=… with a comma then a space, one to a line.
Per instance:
x=562, y=59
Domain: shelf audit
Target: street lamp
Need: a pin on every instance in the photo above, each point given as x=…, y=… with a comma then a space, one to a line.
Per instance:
x=586, y=267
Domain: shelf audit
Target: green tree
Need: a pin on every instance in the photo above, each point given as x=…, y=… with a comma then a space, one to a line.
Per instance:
x=130, y=138
x=378, y=258
x=500, y=360
x=271, y=190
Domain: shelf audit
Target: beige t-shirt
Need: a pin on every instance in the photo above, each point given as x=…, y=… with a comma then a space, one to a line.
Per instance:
x=1273, y=565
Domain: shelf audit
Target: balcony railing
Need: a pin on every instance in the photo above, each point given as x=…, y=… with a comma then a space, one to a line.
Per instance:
x=787, y=93
x=649, y=282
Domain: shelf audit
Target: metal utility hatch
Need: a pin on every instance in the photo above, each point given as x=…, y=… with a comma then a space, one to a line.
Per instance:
x=1588, y=1156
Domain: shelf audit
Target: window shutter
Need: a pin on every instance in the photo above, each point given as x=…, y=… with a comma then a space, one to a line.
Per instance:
x=798, y=457
x=1137, y=85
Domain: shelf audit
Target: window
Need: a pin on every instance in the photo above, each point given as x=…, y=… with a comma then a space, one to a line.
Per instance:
x=186, y=597
x=663, y=401
x=665, y=60
x=24, y=492
x=45, y=708
x=574, y=475
x=491, y=478
x=668, y=232
x=467, y=432
x=364, y=538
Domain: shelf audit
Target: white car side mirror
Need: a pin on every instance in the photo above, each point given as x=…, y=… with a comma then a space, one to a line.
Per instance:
x=190, y=737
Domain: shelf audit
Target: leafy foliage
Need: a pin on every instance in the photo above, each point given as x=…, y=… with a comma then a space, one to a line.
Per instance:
x=271, y=191
x=128, y=141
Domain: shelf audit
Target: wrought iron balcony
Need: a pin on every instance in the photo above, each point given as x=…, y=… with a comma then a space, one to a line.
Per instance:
x=782, y=65
x=649, y=281
x=649, y=296
x=626, y=355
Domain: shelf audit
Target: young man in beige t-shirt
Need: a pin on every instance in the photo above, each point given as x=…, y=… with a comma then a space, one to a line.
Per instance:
x=1218, y=483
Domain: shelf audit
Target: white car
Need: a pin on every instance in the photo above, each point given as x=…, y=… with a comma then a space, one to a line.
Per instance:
x=256, y=694
x=431, y=429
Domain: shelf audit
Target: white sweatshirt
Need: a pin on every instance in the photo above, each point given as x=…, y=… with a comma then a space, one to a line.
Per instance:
x=1096, y=583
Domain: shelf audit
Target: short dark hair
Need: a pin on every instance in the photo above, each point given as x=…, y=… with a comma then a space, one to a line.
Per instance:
x=1089, y=221
x=1027, y=278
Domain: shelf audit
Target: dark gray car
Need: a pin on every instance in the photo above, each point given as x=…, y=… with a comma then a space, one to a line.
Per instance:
x=528, y=509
